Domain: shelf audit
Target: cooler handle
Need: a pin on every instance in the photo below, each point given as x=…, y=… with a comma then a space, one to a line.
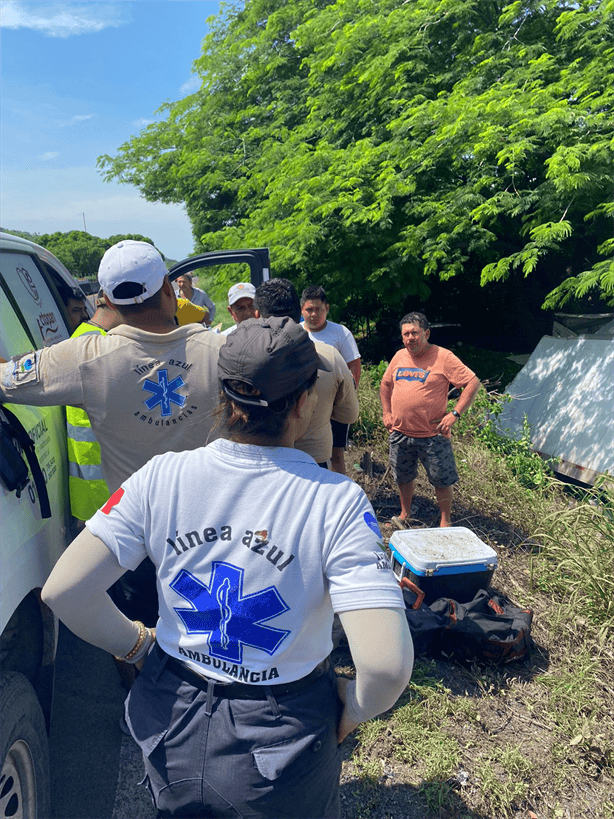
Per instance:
x=406, y=583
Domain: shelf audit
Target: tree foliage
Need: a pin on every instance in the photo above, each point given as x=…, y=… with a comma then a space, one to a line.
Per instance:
x=78, y=251
x=380, y=147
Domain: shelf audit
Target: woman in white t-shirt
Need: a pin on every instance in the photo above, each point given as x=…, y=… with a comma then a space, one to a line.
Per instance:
x=237, y=709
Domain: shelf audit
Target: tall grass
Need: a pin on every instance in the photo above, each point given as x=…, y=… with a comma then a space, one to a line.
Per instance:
x=480, y=423
x=369, y=430
x=457, y=748
x=576, y=559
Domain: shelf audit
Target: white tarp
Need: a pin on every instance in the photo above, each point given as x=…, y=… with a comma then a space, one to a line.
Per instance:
x=566, y=390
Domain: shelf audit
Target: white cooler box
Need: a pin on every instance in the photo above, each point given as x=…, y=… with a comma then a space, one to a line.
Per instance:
x=450, y=562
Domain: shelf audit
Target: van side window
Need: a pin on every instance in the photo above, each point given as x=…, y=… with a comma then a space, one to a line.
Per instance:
x=14, y=339
x=26, y=283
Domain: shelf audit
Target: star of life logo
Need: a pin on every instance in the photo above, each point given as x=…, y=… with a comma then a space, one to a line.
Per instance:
x=231, y=619
x=164, y=393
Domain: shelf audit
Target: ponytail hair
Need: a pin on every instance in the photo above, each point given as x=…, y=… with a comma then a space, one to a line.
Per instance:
x=237, y=418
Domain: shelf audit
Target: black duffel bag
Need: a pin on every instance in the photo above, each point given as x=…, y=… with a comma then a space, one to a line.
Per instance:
x=488, y=628
x=425, y=625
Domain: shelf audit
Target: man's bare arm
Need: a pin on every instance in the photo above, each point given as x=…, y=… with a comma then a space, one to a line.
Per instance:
x=385, y=394
x=355, y=369
x=464, y=402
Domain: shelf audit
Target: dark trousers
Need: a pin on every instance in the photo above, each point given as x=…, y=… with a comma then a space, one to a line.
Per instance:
x=213, y=756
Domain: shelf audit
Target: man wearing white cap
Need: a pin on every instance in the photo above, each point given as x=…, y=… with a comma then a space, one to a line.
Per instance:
x=241, y=304
x=148, y=386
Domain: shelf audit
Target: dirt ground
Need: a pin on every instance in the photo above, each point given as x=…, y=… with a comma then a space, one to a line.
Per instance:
x=560, y=778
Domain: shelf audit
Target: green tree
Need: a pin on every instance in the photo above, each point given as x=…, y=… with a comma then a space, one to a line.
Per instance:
x=136, y=237
x=81, y=252
x=32, y=237
x=379, y=148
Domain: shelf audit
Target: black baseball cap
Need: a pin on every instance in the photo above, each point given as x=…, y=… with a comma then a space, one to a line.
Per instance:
x=274, y=355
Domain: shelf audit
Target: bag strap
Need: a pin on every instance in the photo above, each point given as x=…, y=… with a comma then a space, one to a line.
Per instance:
x=406, y=583
x=495, y=606
x=18, y=431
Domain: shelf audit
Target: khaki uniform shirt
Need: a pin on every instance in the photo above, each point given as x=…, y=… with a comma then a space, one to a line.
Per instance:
x=145, y=393
x=336, y=399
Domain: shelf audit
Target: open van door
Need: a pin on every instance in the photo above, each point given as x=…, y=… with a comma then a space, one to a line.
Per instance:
x=257, y=259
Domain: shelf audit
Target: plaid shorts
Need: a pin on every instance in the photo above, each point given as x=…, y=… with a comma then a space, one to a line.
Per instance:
x=434, y=453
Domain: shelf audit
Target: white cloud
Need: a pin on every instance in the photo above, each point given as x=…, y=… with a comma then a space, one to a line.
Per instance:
x=66, y=19
x=49, y=155
x=142, y=123
x=193, y=84
x=64, y=123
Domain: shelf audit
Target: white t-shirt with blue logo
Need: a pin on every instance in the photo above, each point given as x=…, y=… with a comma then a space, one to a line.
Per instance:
x=255, y=547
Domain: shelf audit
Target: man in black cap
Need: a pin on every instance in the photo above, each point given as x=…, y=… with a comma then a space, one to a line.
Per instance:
x=337, y=399
x=255, y=547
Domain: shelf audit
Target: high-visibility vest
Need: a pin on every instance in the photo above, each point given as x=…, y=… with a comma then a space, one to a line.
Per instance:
x=87, y=487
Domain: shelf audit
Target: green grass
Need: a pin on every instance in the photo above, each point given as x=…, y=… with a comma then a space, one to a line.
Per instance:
x=480, y=424
x=369, y=430
x=205, y=279
x=503, y=780
x=576, y=560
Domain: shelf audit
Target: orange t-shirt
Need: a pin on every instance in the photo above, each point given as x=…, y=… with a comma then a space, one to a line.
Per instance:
x=414, y=391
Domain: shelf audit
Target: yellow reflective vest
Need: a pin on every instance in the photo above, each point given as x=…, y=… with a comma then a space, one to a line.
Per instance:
x=87, y=487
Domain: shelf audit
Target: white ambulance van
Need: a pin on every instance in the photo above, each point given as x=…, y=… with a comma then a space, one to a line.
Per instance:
x=35, y=522
x=34, y=527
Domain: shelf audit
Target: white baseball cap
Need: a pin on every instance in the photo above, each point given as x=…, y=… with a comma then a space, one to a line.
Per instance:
x=243, y=290
x=131, y=272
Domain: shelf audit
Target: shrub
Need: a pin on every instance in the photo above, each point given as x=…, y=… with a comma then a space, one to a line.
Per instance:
x=369, y=430
x=576, y=560
x=531, y=471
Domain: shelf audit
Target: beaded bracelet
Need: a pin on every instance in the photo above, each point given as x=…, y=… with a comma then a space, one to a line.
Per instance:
x=143, y=633
x=144, y=650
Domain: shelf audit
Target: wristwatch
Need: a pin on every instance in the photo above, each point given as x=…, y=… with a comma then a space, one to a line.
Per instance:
x=456, y=414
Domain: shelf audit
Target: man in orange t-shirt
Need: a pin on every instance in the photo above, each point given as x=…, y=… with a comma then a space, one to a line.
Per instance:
x=414, y=396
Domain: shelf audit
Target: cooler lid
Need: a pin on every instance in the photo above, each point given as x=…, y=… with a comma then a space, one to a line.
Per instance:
x=432, y=549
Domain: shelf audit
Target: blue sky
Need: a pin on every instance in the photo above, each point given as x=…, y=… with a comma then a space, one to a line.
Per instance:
x=78, y=80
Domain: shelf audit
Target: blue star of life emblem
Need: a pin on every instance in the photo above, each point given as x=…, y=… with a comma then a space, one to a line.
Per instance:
x=164, y=392
x=231, y=619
